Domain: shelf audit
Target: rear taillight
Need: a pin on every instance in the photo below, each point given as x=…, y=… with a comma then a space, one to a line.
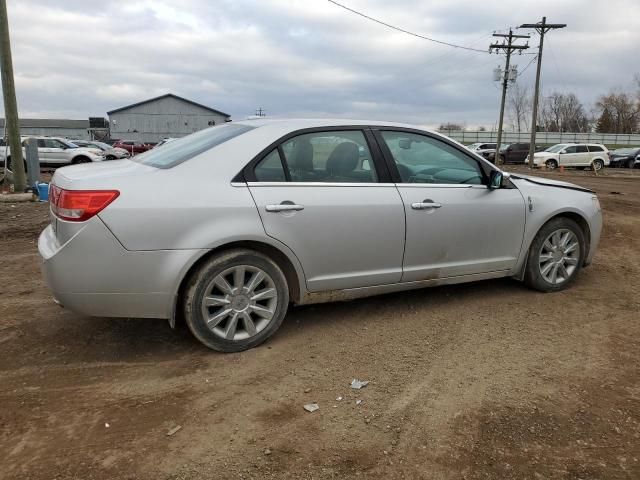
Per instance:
x=79, y=205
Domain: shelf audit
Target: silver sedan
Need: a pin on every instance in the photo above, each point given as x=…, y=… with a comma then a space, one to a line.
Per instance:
x=227, y=227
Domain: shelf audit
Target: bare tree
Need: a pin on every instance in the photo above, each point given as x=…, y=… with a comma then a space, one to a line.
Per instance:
x=562, y=112
x=519, y=104
x=620, y=113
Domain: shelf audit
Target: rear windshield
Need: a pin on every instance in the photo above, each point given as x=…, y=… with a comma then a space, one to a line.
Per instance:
x=173, y=153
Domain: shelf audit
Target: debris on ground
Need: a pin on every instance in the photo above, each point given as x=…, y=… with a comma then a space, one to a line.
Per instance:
x=267, y=451
x=106, y=425
x=358, y=402
x=311, y=407
x=174, y=430
x=338, y=399
x=358, y=384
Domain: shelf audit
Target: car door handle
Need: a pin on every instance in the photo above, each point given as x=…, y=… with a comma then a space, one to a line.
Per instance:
x=425, y=205
x=284, y=207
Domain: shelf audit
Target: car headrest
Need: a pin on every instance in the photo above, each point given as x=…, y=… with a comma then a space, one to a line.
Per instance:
x=343, y=159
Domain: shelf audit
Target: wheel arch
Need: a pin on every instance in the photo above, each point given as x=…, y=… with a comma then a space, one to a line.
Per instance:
x=79, y=157
x=570, y=214
x=294, y=276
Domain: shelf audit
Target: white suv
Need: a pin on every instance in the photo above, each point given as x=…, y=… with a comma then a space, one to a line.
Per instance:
x=55, y=151
x=572, y=155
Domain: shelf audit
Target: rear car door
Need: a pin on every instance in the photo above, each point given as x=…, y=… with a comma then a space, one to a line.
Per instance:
x=323, y=195
x=582, y=157
x=455, y=224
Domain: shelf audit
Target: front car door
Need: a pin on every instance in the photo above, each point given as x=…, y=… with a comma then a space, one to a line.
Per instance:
x=455, y=224
x=324, y=195
x=569, y=156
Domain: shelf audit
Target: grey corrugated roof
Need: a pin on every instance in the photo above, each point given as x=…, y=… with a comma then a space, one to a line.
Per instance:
x=165, y=96
x=50, y=123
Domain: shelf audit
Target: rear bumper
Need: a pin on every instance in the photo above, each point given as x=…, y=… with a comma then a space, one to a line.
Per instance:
x=91, y=273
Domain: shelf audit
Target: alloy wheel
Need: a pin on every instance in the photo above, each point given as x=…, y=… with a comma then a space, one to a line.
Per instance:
x=559, y=256
x=239, y=302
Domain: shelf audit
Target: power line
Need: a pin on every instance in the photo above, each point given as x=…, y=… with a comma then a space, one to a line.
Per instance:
x=528, y=65
x=417, y=35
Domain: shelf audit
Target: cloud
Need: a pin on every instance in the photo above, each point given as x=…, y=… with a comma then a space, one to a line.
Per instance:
x=305, y=58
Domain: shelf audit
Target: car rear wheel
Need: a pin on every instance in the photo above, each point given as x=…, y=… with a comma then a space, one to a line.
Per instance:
x=598, y=164
x=236, y=300
x=80, y=160
x=556, y=255
x=630, y=163
x=551, y=164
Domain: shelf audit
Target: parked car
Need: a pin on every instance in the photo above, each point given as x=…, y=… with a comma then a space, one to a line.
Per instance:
x=164, y=141
x=300, y=211
x=132, y=147
x=572, y=155
x=110, y=153
x=625, y=157
x=56, y=151
x=487, y=150
x=514, y=152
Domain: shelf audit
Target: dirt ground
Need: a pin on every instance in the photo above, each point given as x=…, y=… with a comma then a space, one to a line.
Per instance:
x=487, y=380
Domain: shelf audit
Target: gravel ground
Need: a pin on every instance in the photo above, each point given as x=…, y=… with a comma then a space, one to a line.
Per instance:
x=487, y=380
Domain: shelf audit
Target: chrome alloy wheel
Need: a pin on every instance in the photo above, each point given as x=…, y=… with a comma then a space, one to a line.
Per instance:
x=559, y=256
x=239, y=302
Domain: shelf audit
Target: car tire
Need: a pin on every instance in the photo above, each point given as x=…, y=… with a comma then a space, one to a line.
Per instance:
x=9, y=165
x=220, y=305
x=630, y=163
x=551, y=264
x=551, y=164
x=110, y=157
x=81, y=159
x=598, y=164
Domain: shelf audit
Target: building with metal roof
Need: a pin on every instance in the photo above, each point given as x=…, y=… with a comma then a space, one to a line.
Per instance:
x=162, y=117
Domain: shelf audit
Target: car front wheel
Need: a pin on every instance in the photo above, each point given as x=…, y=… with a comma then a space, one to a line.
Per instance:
x=556, y=255
x=551, y=164
x=236, y=300
x=598, y=164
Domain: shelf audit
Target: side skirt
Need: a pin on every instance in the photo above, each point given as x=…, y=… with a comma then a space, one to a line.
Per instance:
x=362, y=292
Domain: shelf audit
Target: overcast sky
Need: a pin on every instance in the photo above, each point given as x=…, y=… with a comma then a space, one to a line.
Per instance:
x=80, y=58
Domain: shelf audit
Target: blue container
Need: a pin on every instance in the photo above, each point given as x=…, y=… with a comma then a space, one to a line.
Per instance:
x=43, y=191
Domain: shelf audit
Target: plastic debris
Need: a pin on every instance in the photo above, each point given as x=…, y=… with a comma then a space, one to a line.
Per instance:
x=311, y=407
x=358, y=384
x=338, y=399
x=106, y=425
x=358, y=402
x=173, y=430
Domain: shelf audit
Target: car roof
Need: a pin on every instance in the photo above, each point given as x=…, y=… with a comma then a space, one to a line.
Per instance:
x=299, y=123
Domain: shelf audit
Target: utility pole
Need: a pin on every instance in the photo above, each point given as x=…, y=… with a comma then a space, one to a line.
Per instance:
x=261, y=113
x=542, y=28
x=508, y=48
x=10, y=103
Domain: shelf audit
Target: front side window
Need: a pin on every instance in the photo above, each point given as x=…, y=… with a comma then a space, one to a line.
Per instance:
x=571, y=149
x=336, y=156
x=51, y=143
x=422, y=159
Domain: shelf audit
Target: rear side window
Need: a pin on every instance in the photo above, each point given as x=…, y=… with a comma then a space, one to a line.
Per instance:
x=581, y=149
x=185, y=148
x=270, y=169
x=595, y=148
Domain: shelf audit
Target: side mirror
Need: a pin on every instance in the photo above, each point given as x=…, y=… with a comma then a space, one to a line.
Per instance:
x=404, y=143
x=497, y=179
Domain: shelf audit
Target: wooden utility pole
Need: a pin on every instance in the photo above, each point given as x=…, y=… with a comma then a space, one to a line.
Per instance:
x=10, y=103
x=542, y=28
x=508, y=48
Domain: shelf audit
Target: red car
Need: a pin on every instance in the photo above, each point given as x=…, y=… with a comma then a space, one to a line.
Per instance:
x=132, y=147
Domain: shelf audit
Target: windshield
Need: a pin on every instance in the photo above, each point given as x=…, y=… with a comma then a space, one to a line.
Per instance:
x=185, y=148
x=100, y=145
x=69, y=144
x=556, y=148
